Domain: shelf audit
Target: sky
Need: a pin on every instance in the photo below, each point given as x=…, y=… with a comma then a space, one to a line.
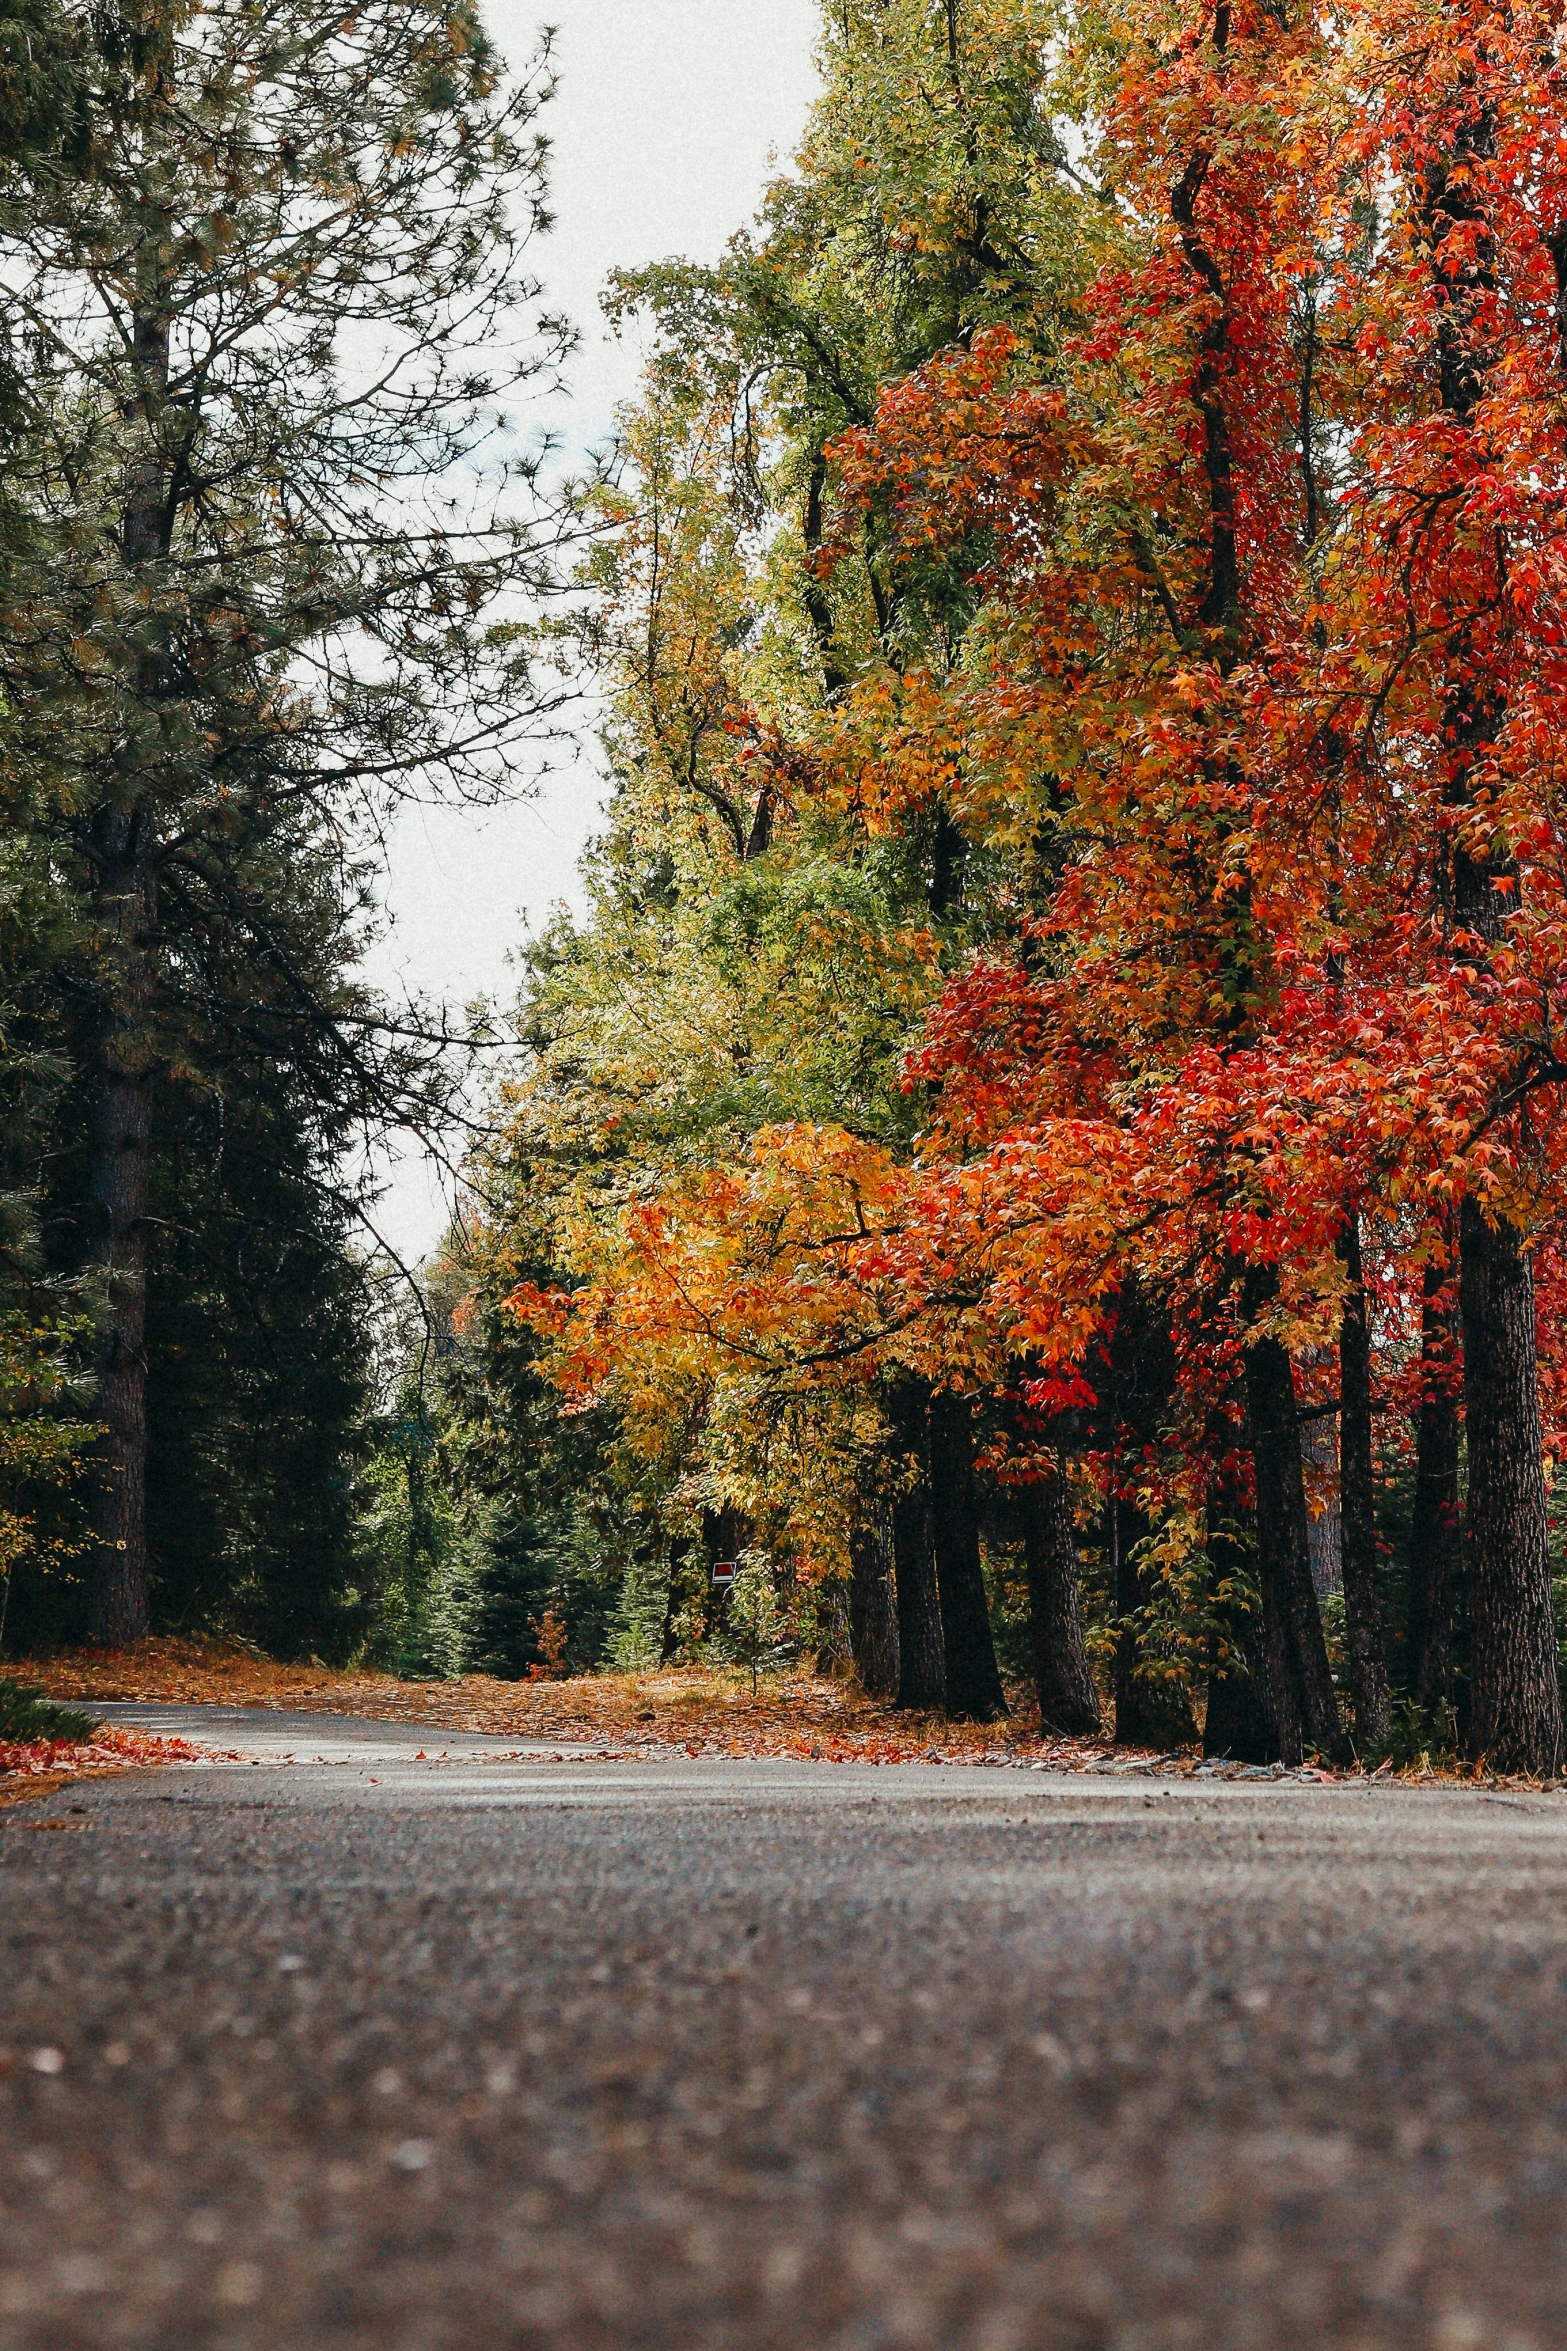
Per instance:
x=668, y=115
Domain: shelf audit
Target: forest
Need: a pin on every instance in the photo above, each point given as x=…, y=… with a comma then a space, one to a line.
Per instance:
x=1039, y=1147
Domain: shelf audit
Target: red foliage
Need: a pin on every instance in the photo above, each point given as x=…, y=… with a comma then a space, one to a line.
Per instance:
x=1221, y=671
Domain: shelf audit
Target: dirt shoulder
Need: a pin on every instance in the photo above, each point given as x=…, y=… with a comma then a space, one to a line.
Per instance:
x=685, y=1707
x=692, y=1708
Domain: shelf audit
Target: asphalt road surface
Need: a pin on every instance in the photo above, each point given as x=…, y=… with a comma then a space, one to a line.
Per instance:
x=494, y=2051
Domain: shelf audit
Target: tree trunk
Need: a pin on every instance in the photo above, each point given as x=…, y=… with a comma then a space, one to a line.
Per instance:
x=123, y=847
x=973, y=1683
x=1067, y=1698
x=1325, y=1529
x=922, y=1672
x=1129, y=1731
x=118, y=1180
x=1241, y=1721
x=1298, y=1671
x=1241, y=1724
x=1135, y=1378
x=1515, y=1700
x=1368, y=1680
x=873, y=1621
x=679, y=1553
x=818, y=604
x=949, y=851
x=1435, y=1535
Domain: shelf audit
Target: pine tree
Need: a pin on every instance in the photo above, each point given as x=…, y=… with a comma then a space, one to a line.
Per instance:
x=261, y=322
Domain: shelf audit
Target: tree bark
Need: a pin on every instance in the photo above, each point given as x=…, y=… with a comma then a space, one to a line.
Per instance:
x=818, y=605
x=922, y=1671
x=1515, y=1698
x=1242, y=1724
x=1129, y=1729
x=973, y=1683
x=1068, y=1700
x=1435, y=1535
x=1319, y=1450
x=1241, y=1721
x=1135, y=1379
x=123, y=848
x=1515, y=1715
x=873, y=1620
x=1298, y=1671
x=1368, y=1677
x=679, y=1553
x=949, y=852
x=119, y=1176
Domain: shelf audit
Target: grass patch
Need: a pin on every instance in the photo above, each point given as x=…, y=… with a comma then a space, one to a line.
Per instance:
x=27, y=1716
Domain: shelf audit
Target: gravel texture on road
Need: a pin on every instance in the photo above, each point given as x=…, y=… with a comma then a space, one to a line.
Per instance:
x=384, y=2054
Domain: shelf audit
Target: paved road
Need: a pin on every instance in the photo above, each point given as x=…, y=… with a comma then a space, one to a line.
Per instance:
x=485, y=2053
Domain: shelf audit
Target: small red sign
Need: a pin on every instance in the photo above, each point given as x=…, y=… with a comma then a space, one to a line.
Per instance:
x=723, y=1573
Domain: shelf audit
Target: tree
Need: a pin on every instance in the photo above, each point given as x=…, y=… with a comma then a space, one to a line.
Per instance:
x=258, y=1387
x=255, y=1294
x=756, y=950
x=256, y=581
x=1188, y=613
x=756, y=1630
x=1368, y=1675
x=873, y=1610
x=1068, y=1700
x=45, y=1433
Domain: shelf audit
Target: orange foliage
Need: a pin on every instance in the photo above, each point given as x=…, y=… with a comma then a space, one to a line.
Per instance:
x=1208, y=688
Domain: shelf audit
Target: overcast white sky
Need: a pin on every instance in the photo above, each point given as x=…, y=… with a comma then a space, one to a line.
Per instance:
x=667, y=115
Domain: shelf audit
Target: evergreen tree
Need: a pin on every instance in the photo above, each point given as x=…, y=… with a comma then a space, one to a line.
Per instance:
x=254, y=581
x=258, y=1391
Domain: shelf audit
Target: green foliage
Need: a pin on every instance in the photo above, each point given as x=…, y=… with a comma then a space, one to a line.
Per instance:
x=44, y=1448
x=1185, y=1625
x=485, y=1509
x=465, y=1580
x=259, y=1388
x=1006, y=1591
x=413, y=1541
x=1419, y=1739
x=755, y=1632
x=263, y=298
x=636, y=1630
x=46, y=1424
x=256, y=1310
x=27, y=1715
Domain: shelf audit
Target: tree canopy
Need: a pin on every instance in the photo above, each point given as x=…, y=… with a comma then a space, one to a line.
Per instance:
x=1080, y=612
x=1041, y=1140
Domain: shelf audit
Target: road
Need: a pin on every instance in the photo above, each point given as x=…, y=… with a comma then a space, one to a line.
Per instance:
x=489, y=2054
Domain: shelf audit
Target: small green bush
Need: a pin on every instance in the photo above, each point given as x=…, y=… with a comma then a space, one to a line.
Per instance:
x=26, y=1715
x=1419, y=1738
